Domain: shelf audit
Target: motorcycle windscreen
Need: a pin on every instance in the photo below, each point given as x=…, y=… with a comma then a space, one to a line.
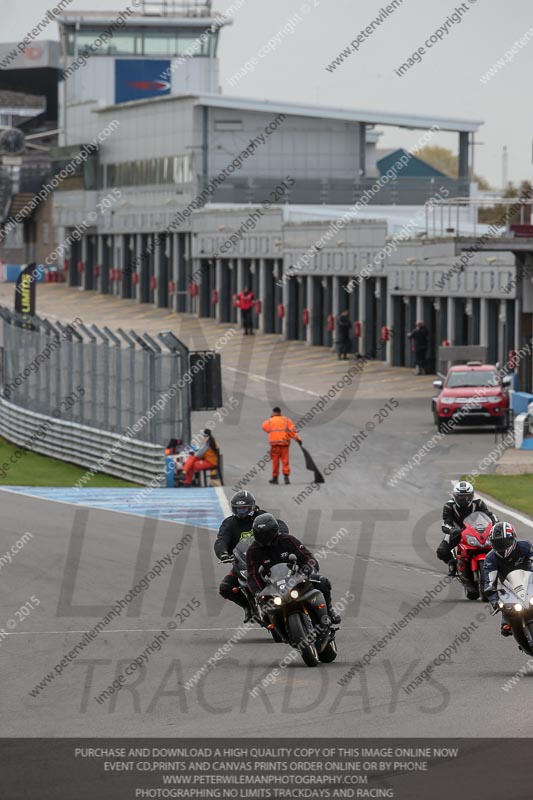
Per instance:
x=243, y=546
x=519, y=583
x=280, y=572
x=478, y=521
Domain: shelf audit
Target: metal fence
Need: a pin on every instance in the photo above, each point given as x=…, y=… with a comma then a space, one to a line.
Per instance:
x=100, y=451
x=111, y=381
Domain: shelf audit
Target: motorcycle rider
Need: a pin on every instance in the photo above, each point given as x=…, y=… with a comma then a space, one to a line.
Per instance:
x=273, y=546
x=232, y=530
x=455, y=511
x=508, y=553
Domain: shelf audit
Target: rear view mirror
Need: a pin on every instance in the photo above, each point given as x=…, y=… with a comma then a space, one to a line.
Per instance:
x=292, y=557
x=507, y=380
x=437, y=384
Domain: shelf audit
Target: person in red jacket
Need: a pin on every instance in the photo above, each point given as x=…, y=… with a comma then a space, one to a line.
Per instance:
x=245, y=301
x=280, y=431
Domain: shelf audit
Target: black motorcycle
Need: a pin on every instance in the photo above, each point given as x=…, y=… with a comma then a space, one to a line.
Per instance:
x=295, y=610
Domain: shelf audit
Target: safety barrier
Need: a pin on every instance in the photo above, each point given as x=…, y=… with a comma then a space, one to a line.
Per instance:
x=520, y=402
x=101, y=451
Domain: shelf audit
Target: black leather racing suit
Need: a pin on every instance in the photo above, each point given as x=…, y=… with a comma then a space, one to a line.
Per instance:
x=229, y=535
x=453, y=517
x=277, y=553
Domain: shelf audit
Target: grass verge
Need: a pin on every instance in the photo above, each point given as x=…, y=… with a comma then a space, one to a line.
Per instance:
x=515, y=491
x=25, y=468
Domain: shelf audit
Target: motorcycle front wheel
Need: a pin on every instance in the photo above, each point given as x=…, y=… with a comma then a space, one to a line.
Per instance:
x=307, y=650
x=525, y=644
x=329, y=653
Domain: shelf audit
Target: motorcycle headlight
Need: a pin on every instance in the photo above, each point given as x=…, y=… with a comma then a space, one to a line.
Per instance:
x=294, y=594
x=277, y=601
x=472, y=541
x=517, y=606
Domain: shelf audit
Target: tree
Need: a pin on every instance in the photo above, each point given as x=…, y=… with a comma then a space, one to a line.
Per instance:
x=502, y=215
x=442, y=158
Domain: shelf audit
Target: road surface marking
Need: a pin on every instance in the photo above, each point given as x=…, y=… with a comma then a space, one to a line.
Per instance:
x=163, y=626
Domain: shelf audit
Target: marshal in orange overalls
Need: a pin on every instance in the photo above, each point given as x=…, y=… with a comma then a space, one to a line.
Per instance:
x=280, y=431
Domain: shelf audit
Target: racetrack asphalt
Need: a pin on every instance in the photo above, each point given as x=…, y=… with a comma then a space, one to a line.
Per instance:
x=80, y=561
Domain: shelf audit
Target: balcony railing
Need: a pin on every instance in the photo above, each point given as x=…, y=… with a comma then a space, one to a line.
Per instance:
x=169, y=8
x=342, y=191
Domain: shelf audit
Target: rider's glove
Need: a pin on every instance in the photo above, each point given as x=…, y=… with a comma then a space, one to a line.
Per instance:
x=444, y=552
x=455, y=536
x=225, y=557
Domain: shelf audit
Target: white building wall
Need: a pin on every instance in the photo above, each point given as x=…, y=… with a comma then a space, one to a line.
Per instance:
x=300, y=146
x=148, y=129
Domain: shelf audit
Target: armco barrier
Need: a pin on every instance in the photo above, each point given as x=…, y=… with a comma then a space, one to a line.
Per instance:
x=136, y=461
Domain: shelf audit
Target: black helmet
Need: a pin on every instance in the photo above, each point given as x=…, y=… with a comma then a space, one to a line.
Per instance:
x=503, y=539
x=265, y=529
x=242, y=504
x=463, y=494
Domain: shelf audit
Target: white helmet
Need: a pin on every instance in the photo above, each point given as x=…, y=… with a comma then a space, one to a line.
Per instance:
x=463, y=494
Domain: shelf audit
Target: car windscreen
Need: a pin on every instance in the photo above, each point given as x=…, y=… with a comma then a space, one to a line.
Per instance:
x=472, y=378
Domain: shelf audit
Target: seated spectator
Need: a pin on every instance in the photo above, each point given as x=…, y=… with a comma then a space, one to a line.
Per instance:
x=173, y=447
x=206, y=457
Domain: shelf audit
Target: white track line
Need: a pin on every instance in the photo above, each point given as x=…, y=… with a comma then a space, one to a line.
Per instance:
x=162, y=628
x=507, y=511
x=223, y=500
x=271, y=380
x=520, y=517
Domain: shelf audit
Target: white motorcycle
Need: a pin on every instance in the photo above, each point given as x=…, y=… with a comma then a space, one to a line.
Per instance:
x=516, y=602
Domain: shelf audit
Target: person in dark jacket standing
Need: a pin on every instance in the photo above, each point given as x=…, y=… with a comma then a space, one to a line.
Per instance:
x=272, y=546
x=344, y=331
x=246, y=300
x=419, y=337
x=232, y=530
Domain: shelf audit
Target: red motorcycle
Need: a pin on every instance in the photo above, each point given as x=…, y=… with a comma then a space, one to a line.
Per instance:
x=471, y=552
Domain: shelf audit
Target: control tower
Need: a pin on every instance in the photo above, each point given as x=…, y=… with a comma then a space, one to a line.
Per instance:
x=151, y=49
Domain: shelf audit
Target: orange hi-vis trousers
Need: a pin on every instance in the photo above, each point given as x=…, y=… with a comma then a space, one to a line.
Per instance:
x=280, y=452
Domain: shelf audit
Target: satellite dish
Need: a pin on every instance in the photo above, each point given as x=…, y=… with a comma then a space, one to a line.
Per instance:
x=12, y=142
